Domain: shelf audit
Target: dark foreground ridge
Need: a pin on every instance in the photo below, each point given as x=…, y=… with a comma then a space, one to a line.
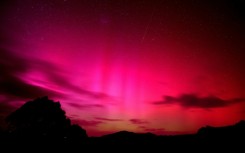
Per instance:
x=42, y=123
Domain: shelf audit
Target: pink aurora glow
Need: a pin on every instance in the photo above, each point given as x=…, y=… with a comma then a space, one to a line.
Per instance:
x=110, y=66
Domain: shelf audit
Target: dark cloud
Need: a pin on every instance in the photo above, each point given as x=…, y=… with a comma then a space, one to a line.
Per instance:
x=154, y=130
x=194, y=101
x=13, y=86
x=85, y=106
x=12, y=82
x=87, y=122
x=138, y=121
x=160, y=131
x=107, y=119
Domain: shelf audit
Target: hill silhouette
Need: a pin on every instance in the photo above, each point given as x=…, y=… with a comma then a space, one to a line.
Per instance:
x=43, y=123
x=208, y=138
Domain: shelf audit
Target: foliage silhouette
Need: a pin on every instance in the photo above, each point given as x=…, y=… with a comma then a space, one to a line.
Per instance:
x=43, y=121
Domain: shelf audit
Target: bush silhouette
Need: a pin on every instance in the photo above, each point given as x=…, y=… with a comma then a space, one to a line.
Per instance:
x=42, y=120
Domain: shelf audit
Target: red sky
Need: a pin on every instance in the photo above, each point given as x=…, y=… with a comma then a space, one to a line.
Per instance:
x=166, y=67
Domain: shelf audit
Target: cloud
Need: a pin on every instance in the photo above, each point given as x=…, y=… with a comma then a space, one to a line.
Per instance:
x=13, y=86
x=62, y=80
x=85, y=106
x=194, y=101
x=138, y=121
x=147, y=129
x=154, y=130
x=25, y=77
x=107, y=119
x=87, y=122
x=160, y=131
x=12, y=68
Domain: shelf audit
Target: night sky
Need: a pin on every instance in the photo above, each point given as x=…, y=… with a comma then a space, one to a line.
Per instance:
x=166, y=67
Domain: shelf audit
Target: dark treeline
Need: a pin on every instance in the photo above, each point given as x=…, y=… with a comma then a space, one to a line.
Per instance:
x=42, y=123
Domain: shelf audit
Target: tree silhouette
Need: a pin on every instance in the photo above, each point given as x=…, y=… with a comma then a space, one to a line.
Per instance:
x=43, y=120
